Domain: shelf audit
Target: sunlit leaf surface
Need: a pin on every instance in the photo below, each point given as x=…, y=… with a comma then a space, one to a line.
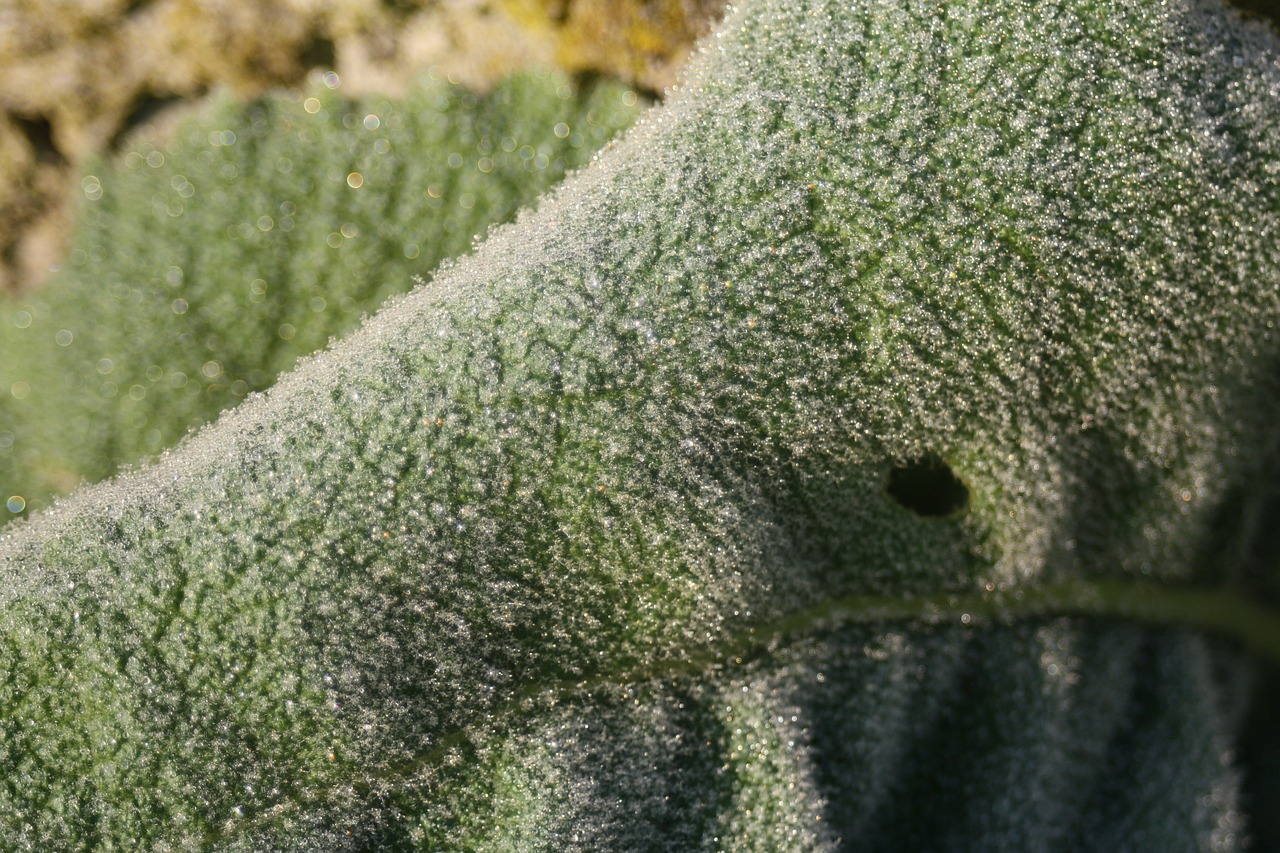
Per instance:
x=829, y=466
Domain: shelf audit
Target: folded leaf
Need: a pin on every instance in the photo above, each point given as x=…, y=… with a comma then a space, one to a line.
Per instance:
x=810, y=473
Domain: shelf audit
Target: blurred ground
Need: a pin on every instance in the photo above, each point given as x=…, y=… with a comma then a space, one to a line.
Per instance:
x=79, y=74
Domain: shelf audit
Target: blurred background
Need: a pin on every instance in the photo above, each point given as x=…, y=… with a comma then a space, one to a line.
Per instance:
x=80, y=75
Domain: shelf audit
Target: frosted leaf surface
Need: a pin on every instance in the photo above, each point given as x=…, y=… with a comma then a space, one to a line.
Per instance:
x=210, y=257
x=536, y=559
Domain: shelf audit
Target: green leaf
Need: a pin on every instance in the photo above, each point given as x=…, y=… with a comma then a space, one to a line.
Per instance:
x=840, y=462
x=210, y=259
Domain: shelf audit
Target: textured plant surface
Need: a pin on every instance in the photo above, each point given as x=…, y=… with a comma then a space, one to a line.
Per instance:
x=209, y=261
x=624, y=532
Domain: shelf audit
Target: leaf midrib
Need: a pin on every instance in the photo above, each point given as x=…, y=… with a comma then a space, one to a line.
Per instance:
x=1227, y=614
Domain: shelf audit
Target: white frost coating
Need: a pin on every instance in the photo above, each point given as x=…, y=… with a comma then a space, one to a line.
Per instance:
x=1037, y=241
x=184, y=302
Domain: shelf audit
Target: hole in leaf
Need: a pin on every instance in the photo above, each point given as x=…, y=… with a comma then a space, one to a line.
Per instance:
x=928, y=487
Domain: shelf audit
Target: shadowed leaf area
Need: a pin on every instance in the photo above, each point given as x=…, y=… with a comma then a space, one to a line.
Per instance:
x=872, y=451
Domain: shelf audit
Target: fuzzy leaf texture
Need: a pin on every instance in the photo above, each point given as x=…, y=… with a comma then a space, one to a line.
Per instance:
x=624, y=533
x=208, y=261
